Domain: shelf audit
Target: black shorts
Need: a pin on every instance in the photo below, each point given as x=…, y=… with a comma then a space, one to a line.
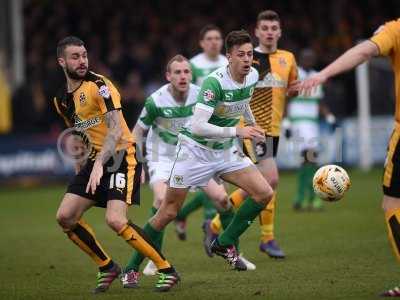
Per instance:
x=120, y=181
x=261, y=150
x=391, y=174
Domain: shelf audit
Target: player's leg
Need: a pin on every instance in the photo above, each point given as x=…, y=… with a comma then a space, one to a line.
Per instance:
x=191, y=206
x=251, y=180
x=122, y=193
x=69, y=216
x=391, y=200
x=138, y=239
x=159, y=190
x=217, y=194
x=391, y=208
x=301, y=183
x=268, y=243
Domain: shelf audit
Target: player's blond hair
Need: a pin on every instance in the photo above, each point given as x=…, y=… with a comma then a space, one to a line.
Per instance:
x=178, y=58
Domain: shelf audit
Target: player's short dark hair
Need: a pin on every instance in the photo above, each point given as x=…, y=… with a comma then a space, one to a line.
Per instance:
x=68, y=41
x=268, y=15
x=178, y=58
x=236, y=38
x=207, y=28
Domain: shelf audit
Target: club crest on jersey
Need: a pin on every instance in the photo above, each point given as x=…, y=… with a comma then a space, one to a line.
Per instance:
x=82, y=99
x=104, y=91
x=178, y=179
x=282, y=62
x=208, y=95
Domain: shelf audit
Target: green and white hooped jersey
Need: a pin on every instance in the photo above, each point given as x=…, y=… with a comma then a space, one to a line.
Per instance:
x=165, y=117
x=227, y=100
x=202, y=66
x=304, y=109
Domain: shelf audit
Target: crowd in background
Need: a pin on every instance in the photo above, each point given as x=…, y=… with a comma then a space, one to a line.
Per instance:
x=130, y=42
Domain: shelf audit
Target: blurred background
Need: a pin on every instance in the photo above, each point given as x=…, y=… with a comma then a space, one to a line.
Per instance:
x=130, y=42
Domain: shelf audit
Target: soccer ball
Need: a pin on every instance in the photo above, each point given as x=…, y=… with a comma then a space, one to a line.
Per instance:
x=330, y=182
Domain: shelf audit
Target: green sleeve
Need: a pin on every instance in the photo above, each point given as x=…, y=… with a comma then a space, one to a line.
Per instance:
x=194, y=72
x=149, y=113
x=210, y=93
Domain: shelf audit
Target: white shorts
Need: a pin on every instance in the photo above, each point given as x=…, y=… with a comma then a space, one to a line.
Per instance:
x=306, y=135
x=160, y=170
x=196, y=165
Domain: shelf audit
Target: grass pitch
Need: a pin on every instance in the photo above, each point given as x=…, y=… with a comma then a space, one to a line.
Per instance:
x=340, y=253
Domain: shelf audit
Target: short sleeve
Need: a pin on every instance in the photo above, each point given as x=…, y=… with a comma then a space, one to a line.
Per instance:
x=385, y=37
x=210, y=93
x=148, y=114
x=293, y=75
x=107, y=95
x=195, y=72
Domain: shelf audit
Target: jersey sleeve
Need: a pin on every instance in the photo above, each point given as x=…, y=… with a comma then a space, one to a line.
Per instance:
x=106, y=95
x=385, y=37
x=148, y=114
x=194, y=72
x=60, y=113
x=210, y=94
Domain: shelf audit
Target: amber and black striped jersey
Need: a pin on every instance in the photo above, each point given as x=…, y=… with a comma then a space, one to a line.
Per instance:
x=277, y=70
x=387, y=38
x=85, y=107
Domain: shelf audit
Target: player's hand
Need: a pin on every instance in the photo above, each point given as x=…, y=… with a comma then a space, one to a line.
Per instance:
x=95, y=176
x=250, y=132
x=310, y=84
x=293, y=89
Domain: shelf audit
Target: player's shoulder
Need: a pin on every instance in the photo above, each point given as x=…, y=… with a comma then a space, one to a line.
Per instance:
x=197, y=59
x=253, y=74
x=389, y=27
x=61, y=93
x=218, y=75
x=94, y=77
x=159, y=94
x=285, y=53
x=222, y=59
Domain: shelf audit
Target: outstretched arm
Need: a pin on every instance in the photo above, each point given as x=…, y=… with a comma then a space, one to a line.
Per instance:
x=351, y=58
x=347, y=61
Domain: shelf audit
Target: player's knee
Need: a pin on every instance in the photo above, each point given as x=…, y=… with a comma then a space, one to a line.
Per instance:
x=223, y=202
x=273, y=182
x=170, y=214
x=116, y=222
x=66, y=220
x=390, y=203
x=158, y=200
x=263, y=196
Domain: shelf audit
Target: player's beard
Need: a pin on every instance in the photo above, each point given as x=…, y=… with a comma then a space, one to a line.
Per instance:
x=74, y=75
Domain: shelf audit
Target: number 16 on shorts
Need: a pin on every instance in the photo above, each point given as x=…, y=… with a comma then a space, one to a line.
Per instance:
x=117, y=180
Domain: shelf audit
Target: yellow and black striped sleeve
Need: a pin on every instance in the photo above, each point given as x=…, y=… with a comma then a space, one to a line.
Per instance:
x=106, y=95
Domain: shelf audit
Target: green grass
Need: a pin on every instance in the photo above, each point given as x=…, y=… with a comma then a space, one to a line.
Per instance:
x=341, y=253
